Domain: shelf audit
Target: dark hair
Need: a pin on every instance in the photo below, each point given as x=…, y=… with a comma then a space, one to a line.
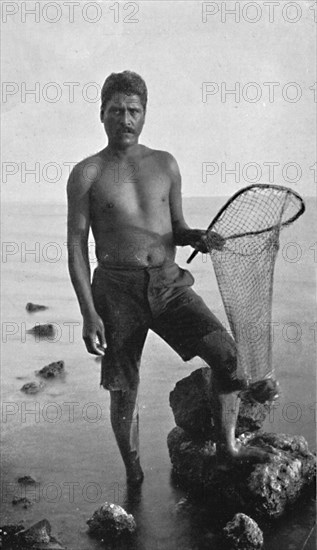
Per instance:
x=128, y=83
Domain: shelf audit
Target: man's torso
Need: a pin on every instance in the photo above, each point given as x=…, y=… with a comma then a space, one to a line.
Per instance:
x=129, y=209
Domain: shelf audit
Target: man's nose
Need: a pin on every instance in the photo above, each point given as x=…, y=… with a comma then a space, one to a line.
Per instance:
x=126, y=118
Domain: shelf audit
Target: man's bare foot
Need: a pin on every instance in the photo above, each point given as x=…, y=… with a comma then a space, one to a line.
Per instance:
x=241, y=454
x=135, y=473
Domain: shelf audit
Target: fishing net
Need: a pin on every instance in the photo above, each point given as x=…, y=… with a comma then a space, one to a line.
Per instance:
x=250, y=222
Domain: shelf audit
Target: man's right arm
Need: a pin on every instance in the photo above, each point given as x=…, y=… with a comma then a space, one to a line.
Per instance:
x=78, y=224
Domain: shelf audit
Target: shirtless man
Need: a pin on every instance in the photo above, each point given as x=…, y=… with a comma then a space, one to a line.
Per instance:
x=130, y=196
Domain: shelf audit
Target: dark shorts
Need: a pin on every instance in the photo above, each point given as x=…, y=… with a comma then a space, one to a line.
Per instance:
x=131, y=301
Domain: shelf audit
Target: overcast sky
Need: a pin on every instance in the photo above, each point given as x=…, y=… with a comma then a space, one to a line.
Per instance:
x=190, y=54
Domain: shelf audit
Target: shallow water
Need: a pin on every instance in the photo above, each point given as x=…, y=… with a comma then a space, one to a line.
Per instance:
x=62, y=436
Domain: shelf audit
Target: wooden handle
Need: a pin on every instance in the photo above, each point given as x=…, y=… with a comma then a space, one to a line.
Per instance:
x=192, y=256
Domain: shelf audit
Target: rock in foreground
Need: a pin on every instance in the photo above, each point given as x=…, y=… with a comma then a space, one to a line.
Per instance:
x=110, y=520
x=263, y=489
x=52, y=370
x=8, y=533
x=31, y=308
x=191, y=402
x=37, y=537
x=243, y=533
x=39, y=533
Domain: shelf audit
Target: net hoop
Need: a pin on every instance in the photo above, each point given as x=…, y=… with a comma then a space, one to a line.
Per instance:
x=255, y=187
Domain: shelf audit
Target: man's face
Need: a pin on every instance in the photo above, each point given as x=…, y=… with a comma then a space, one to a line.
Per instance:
x=123, y=118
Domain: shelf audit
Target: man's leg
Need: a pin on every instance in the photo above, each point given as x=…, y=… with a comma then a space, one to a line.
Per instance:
x=125, y=424
x=218, y=351
x=191, y=329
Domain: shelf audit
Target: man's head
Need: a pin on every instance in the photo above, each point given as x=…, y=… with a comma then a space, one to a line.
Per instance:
x=123, y=106
x=128, y=83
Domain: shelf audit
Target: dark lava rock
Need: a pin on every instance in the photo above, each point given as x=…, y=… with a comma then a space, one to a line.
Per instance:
x=243, y=533
x=26, y=480
x=52, y=370
x=31, y=308
x=8, y=532
x=24, y=501
x=191, y=402
x=33, y=387
x=43, y=331
x=40, y=532
x=38, y=537
x=110, y=520
x=263, y=489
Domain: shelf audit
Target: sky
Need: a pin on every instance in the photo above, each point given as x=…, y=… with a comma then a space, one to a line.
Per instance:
x=232, y=90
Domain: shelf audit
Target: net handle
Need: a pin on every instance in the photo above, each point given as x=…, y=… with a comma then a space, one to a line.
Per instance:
x=240, y=192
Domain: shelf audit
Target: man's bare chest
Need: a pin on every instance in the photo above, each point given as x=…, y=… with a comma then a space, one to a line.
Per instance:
x=130, y=187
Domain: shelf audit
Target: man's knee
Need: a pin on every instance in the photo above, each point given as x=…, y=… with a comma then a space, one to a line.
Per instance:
x=217, y=346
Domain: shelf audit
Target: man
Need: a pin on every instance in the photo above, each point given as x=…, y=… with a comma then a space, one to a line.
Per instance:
x=130, y=196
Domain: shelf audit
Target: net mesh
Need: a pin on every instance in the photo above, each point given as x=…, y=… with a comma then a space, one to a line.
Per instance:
x=244, y=268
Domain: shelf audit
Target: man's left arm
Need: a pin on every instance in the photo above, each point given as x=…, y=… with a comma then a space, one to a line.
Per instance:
x=183, y=234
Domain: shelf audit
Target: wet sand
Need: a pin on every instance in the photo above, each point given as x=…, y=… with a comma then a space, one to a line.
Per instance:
x=62, y=436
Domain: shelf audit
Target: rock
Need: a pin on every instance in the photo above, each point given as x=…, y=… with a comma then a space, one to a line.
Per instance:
x=31, y=308
x=52, y=370
x=110, y=520
x=8, y=533
x=191, y=402
x=243, y=533
x=43, y=331
x=26, y=480
x=40, y=532
x=24, y=501
x=278, y=484
x=265, y=490
x=193, y=461
x=38, y=537
x=32, y=387
x=251, y=415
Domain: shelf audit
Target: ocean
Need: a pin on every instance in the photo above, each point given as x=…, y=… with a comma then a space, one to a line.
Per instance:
x=62, y=436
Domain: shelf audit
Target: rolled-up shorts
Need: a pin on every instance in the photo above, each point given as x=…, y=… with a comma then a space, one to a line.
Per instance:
x=130, y=301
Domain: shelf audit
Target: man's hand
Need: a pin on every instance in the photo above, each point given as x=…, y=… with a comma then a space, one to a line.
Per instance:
x=94, y=334
x=203, y=241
